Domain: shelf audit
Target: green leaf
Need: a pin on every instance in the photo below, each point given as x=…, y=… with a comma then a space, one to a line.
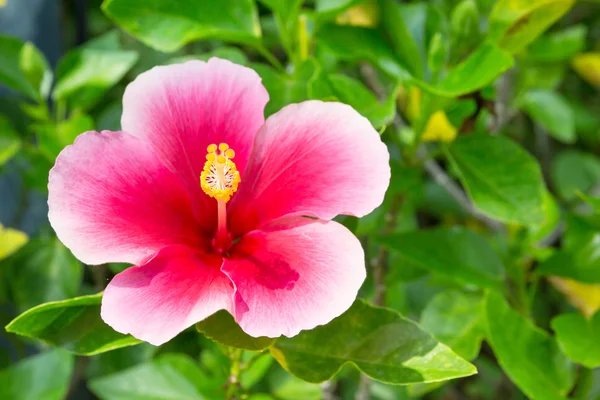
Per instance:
x=42, y=377
x=574, y=171
x=549, y=110
x=455, y=253
x=169, y=377
x=480, y=69
x=55, y=137
x=24, y=68
x=517, y=23
x=355, y=44
x=222, y=328
x=378, y=341
x=592, y=201
x=328, y=8
x=403, y=44
x=167, y=26
x=86, y=73
x=528, y=355
x=456, y=319
x=354, y=93
x=285, y=89
x=44, y=270
x=232, y=54
x=11, y=240
x=578, y=337
x=504, y=181
x=73, y=324
x=558, y=46
x=582, y=262
x=9, y=140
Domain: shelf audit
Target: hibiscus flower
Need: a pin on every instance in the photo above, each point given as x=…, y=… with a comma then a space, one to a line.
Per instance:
x=217, y=208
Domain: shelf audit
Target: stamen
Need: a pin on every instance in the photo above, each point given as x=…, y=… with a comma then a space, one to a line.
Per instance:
x=220, y=178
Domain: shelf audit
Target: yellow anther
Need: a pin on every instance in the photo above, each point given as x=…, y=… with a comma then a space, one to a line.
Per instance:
x=220, y=178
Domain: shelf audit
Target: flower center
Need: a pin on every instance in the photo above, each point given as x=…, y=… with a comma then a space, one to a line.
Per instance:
x=220, y=178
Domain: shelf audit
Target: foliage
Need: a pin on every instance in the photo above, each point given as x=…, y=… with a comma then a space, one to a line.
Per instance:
x=483, y=261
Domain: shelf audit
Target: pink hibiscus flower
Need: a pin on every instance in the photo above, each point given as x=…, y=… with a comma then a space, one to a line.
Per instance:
x=210, y=202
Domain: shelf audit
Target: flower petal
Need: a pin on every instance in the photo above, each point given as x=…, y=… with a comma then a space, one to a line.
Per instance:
x=294, y=276
x=172, y=291
x=180, y=109
x=312, y=158
x=112, y=200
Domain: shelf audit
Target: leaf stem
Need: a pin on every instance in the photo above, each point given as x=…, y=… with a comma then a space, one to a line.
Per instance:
x=269, y=57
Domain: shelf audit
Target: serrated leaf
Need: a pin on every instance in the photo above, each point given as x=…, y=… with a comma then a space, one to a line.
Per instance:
x=378, y=341
x=167, y=26
x=578, y=337
x=73, y=324
x=42, y=377
x=528, y=355
x=455, y=253
x=504, y=181
x=222, y=328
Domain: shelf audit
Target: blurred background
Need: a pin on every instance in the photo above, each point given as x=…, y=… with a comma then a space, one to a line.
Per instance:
x=64, y=66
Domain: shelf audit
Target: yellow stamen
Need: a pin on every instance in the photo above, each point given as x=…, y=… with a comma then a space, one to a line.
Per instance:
x=220, y=178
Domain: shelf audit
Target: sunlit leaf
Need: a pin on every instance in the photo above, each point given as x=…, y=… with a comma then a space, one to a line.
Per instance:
x=11, y=240
x=378, y=341
x=578, y=337
x=583, y=296
x=24, y=68
x=456, y=319
x=517, y=23
x=587, y=65
x=167, y=26
x=73, y=324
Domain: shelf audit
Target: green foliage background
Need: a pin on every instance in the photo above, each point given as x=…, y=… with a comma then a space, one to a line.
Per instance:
x=483, y=262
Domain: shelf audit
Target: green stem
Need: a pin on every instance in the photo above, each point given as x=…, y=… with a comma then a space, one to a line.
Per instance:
x=233, y=387
x=269, y=57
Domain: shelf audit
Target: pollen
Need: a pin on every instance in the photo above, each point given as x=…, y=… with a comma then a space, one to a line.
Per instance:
x=220, y=178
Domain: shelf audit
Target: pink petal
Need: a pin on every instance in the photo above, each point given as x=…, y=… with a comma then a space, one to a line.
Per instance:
x=294, y=276
x=181, y=109
x=112, y=200
x=172, y=291
x=312, y=158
